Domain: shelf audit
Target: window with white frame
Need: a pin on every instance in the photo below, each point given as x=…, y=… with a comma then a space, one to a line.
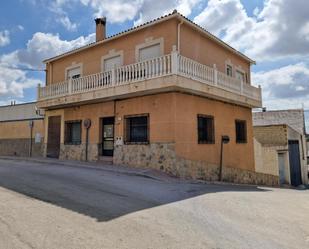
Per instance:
x=229, y=70
x=73, y=73
x=111, y=63
x=240, y=75
x=149, y=52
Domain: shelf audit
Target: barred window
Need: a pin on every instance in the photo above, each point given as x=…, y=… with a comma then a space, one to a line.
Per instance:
x=137, y=129
x=73, y=132
x=241, y=131
x=206, y=129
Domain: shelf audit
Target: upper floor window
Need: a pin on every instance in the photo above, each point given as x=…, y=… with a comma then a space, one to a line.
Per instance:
x=111, y=63
x=73, y=130
x=241, y=131
x=206, y=129
x=149, y=52
x=151, y=48
x=241, y=76
x=137, y=129
x=73, y=72
x=229, y=70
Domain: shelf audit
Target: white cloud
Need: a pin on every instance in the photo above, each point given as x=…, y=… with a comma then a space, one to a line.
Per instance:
x=46, y=45
x=4, y=38
x=150, y=9
x=118, y=11
x=285, y=87
x=13, y=82
x=40, y=46
x=62, y=16
x=276, y=31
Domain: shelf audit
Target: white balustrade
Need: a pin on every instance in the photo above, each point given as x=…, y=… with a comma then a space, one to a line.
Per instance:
x=169, y=64
x=188, y=67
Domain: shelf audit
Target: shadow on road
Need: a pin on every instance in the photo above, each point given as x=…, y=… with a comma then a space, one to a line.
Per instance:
x=101, y=194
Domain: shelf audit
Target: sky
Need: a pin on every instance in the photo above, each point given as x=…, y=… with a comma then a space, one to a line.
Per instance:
x=274, y=33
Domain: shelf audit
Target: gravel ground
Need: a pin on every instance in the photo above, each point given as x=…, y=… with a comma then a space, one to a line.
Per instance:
x=53, y=204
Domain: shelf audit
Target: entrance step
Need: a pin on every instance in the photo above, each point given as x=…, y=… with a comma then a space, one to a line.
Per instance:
x=106, y=159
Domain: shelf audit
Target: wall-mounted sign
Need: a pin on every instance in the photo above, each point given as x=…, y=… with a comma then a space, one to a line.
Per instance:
x=37, y=138
x=87, y=123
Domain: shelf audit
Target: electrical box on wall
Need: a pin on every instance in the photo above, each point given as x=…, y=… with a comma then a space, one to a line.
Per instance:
x=119, y=141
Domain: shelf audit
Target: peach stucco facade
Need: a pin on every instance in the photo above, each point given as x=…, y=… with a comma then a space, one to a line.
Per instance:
x=172, y=110
x=91, y=58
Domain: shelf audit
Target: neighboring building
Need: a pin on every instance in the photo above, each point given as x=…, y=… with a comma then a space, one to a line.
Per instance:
x=280, y=145
x=21, y=130
x=159, y=95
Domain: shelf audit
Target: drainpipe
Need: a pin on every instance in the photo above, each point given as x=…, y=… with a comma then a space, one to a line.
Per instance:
x=178, y=36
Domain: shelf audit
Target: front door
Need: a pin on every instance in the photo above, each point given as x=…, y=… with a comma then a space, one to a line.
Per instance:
x=53, y=136
x=108, y=136
x=295, y=168
x=281, y=161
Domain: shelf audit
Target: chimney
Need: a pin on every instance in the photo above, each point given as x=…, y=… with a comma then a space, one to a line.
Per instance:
x=100, y=28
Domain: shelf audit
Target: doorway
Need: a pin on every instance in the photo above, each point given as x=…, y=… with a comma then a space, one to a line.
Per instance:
x=295, y=169
x=281, y=162
x=53, y=142
x=108, y=136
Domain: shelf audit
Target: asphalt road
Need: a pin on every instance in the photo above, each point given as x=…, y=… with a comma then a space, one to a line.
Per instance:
x=52, y=204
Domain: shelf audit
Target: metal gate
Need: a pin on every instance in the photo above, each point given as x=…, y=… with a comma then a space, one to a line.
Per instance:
x=295, y=168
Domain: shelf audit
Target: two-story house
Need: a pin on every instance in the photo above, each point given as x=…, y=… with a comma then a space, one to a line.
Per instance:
x=159, y=95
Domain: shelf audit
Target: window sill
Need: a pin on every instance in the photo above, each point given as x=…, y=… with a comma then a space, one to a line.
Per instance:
x=136, y=143
x=77, y=143
x=241, y=142
x=202, y=142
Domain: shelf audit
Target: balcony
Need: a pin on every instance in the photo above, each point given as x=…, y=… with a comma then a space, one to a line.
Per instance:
x=172, y=72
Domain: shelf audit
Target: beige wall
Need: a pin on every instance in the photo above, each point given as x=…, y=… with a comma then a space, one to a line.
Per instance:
x=20, y=129
x=266, y=159
x=271, y=140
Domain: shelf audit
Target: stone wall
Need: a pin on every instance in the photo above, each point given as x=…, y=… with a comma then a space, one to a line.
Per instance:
x=20, y=147
x=162, y=156
x=78, y=152
x=275, y=135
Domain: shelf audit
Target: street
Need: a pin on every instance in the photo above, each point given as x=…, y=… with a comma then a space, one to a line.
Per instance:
x=51, y=204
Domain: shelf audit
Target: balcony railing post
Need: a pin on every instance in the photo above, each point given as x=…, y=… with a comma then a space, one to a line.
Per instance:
x=242, y=87
x=175, y=61
x=70, y=86
x=113, y=76
x=38, y=91
x=215, y=75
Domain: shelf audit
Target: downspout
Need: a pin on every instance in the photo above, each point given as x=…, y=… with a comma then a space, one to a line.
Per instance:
x=178, y=36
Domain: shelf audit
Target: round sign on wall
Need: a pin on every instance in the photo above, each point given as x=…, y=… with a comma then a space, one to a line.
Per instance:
x=87, y=123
